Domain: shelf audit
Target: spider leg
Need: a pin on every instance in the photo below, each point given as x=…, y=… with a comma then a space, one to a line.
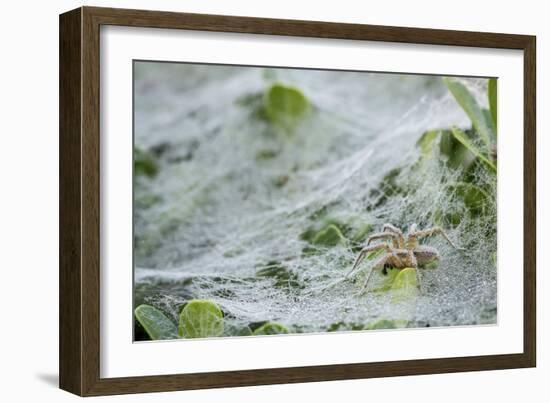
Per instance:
x=394, y=258
x=366, y=250
x=434, y=231
x=394, y=230
x=398, y=258
x=384, y=235
x=379, y=264
x=412, y=259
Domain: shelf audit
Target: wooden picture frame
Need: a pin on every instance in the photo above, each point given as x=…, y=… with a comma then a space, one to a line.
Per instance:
x=79, y=346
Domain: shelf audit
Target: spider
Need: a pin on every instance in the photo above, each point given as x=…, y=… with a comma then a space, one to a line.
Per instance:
x=404, y=252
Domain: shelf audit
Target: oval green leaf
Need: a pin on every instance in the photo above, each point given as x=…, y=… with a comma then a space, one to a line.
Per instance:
x=285, y=105
x=155, y=323
x=405, y=285
x=270, y=328
x=388, y=278
x=201, y=318
x=329, y=236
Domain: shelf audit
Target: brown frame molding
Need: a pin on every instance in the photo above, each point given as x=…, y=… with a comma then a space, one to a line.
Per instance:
x=79, y=200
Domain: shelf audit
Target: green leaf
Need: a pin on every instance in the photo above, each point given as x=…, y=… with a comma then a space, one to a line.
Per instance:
x=237, y=330
x=386, y=324
x=427, y=142
x=155, y=323
x=405, y=285
x=201, y=318
x=447, y=217
x=245, y=331
x=285, y=106
x=463, y=138
x=144, y=163
x=270, y=328
x=474, y=197
x=339, y=326
x=283, y=277
x=360, y=234
x=472, y=109
x=328, y=237
x=388, y=278
x=492, y=92
x=489, y=121
x=457, y=154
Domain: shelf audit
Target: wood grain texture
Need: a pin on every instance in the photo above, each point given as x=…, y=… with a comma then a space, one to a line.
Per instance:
x=316, y=29
x=530, y=203
x=80, y=200
x=70, y=273
x=90, y=202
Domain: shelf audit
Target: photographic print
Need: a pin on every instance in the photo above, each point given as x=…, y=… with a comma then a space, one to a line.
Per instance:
x=272, y=201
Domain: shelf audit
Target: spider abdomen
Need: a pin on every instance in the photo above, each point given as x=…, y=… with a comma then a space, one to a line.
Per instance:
x=425, y=255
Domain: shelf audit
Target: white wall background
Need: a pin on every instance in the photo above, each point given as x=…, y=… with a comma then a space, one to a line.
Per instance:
x=29, y=199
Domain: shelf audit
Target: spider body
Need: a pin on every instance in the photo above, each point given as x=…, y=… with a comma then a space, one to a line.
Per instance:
x=404, y=251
